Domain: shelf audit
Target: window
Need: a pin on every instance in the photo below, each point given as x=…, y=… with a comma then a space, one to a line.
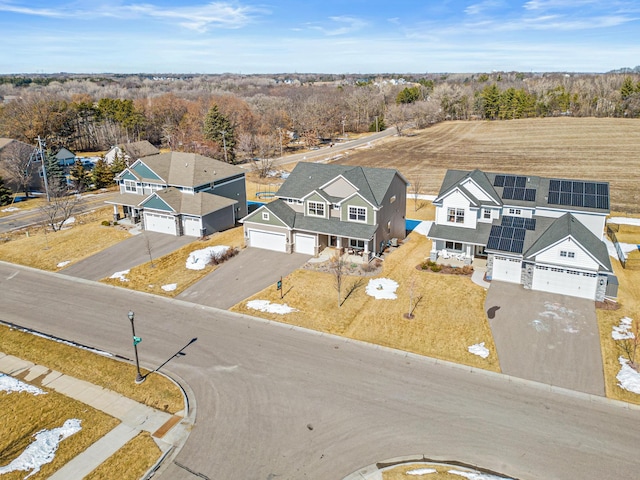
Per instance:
x=358, y=214
x=359, y=244
x=455, y=215
x=453, y=245
x=316, y=209
x=336, y=206
x=130, y=186
x=515, y=211
x=486, y=213
x=265, y=215
x=392, y=199
x=566, y=254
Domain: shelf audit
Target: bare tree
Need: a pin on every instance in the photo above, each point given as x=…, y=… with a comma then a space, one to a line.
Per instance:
x=413, y=299
x=338, y=268
x=629, y=344
x=60, y=208
x=414, y=188
x=148, y=247
x=399, y=116
x=16, y=160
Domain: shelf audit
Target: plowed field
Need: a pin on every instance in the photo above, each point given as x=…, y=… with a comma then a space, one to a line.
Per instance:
x=603, y=149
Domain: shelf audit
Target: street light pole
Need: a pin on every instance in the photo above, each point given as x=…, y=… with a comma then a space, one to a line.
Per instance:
x=136, y=341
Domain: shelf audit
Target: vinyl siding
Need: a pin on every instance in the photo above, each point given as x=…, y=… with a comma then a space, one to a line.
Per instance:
x=581, y=261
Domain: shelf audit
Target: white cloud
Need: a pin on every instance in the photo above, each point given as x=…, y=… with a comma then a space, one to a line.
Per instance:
x=342, y=25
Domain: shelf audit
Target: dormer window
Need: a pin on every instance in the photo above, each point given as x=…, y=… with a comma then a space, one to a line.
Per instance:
x=455, y=215
x=315, y=209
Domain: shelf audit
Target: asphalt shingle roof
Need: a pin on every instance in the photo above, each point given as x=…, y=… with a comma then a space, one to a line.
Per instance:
x=189, y=169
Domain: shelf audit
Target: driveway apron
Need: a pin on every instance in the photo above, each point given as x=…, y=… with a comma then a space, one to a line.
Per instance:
x=546, y=337
x=251, y=271
x=124, y=255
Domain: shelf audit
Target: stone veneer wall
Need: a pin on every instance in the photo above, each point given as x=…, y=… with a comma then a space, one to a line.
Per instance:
x=527, y=275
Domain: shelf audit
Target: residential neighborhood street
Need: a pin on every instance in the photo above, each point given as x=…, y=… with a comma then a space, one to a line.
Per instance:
x=275, y=401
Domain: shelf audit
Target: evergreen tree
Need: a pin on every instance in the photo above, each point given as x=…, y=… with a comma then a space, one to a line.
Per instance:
x=217, y=128
x=490, y=101
x=627, y=88
x=6, y=197
x=79, y=176
x=55, y=174
x=102, y=176
x=119, y=164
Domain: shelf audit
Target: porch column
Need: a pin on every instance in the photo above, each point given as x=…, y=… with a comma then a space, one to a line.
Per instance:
x=116, y=215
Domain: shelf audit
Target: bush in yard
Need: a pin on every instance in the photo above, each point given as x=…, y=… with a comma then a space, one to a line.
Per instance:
x=105, y=223
x=435, y=267
x=223, y=257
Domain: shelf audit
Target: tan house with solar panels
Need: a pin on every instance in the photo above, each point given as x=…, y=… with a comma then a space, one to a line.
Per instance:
x=181, y=194
x=544, y=233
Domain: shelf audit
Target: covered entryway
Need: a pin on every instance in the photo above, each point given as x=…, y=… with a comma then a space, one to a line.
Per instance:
x=156, y=222
x=565, y=281
x=304, y=243
x=191, y=226
x=506, y=269
x=268, y=240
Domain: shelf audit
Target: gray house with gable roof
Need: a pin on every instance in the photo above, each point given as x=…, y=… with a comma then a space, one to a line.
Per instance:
x=355, y=209
x=181, y=194
x=544, y=233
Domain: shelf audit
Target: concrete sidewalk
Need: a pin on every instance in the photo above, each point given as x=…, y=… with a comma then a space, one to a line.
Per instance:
x=168, y=431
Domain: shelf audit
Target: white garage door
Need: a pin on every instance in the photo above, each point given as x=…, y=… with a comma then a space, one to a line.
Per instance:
x=191, y=226
x=155, y=222
x=506, y=269
x=565, y=282
x=268, y=240
x=304, y=244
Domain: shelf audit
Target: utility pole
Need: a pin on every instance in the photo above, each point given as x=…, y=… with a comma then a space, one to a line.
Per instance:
x=39, y=154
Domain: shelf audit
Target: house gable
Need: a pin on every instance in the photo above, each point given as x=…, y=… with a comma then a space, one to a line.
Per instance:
x=339, y=187
x=357, y=202
x=144, y=171
x=156, y=203
x=264, y=216
x=569, y=253
x=127, y=175
x=474, y=189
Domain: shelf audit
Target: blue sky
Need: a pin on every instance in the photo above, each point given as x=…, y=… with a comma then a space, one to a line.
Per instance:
x=347, y=36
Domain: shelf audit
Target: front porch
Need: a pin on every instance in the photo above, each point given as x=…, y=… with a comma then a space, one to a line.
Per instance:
x=348, y=255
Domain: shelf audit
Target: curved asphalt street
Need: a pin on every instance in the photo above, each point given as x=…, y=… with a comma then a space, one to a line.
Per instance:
x=274, y=402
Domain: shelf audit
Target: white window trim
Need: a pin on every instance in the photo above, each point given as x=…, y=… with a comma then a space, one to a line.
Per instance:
x=455, y=215
x=515, y=211
x=354, y=211
x=316, y=205
x=265, y=216
x=130, y=186
x=567, y=254
x=486, y=214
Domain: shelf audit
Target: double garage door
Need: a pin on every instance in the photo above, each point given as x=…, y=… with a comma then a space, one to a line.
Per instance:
x=156, y=222
x=565, y=282
x=268, y=240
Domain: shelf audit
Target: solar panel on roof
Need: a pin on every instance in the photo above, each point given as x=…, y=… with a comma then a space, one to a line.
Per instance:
x=590, y=188
x=577, y=200
x=517, y=246
x=509, y=181
x=519, y=234
x=521, y=182
x=498, y=181
x=504, y=244
x=507, y=193
x=578, y=187
x=602, y=201
x=518, y=193
x=554, y=185
x=530, y=223
x=602, y=188
x=518, y=222
x=565, y=186
x=530, y=195
x=507, y=221
x=493, y=243
x=590, y=201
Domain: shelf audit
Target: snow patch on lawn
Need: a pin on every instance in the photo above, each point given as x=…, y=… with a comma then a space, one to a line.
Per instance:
x=122, y=276
x=267, y=306
x=9, y=384
x=627, y=377
x=624, y=221
x=69, y=221
x=475, y=475
x=10, y=209
x=43, y=449
x=479, y=349
x=63, y=264
x=423, y=227
x=626, y=248
x=382, y=288
x=421, y=471
x=170, y=287
x=198, y=259
x=623, y=330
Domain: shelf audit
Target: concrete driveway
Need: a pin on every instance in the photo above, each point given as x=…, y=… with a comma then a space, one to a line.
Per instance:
x=126, y=254
x=546, y=337
x=252, y=270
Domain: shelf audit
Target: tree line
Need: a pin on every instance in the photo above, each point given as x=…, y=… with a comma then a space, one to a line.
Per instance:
x=263, y=116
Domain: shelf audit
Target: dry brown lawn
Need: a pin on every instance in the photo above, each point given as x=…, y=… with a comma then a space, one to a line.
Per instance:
x=591, y=148
x=400, y=472
x=43, y=249
x=131, y=462
x=32, y=202
x=448, y=319
x=157, y=391
x=24, y=415
x=171, y=269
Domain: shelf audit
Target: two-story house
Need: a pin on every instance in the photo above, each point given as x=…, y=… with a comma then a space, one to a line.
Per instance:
x=181, y=194
x=358, y=209
x=544, y=233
